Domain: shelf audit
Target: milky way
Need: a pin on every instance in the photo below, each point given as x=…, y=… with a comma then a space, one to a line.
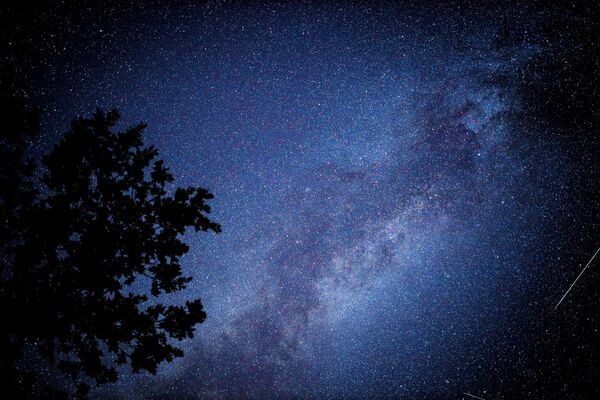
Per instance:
x=401, y=207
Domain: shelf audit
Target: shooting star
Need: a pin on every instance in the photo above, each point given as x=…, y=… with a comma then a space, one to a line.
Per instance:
x=574, y=282
x=473, y=396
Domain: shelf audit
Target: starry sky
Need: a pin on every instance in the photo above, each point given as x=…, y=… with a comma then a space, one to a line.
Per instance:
x=406, y=189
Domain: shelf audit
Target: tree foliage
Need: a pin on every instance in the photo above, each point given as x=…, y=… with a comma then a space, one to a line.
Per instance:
x=87, y=248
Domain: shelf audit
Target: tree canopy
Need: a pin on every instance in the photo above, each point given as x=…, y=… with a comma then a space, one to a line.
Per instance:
x=90, y=241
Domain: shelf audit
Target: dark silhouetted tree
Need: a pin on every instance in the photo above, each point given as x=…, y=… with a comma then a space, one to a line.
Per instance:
x=88, y=245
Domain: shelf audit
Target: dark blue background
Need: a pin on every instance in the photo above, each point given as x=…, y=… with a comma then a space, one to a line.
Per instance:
x=405, y=190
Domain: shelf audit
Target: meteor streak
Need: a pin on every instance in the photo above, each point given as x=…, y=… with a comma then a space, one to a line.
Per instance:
x=473, y=396
x=574, y=282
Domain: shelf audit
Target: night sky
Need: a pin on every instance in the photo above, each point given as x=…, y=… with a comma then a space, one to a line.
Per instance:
x=406, y=190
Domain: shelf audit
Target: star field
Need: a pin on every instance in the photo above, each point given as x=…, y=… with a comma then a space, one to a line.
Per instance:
x=405, y=190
